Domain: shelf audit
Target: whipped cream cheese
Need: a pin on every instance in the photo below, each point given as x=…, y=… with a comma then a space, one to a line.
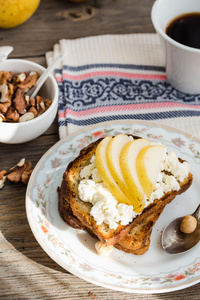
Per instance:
x=106, y=208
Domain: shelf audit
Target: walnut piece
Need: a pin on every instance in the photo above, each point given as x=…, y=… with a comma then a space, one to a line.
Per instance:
x=5, y=106
x=29, y=80
x=20, y=172
x=20, y=102
x=5, y=77
x=18, y=78
x=12, y=115
x=25, y=176
x=10, y=91
x=34, y=111
x=47, y=103
x=2, y=178
x=6, y=92
x=15, y=104
x=2, y=174
x=40, y=105
x=32, y=102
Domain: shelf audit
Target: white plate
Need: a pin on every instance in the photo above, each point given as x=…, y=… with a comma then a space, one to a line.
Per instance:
x=153, y=272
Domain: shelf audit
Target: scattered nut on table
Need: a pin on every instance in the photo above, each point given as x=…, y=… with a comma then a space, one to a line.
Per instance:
x=188, y=224
x=2, y=178
x=15, y=104
x=92, y=295
x=21, y=172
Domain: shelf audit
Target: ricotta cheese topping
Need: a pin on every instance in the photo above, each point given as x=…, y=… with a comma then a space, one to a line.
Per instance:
x=105, y=207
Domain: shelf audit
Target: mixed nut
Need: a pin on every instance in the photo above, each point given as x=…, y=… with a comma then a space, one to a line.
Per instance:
x=19, y=173
x=15, y=104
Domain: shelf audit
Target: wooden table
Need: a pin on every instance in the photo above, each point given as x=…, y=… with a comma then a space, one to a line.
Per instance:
x=26, y=271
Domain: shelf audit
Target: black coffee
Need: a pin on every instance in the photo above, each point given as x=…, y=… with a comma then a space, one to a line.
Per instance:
x=185, y=29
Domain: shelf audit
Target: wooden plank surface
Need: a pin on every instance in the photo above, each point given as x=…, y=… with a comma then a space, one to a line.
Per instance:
x=26, y=271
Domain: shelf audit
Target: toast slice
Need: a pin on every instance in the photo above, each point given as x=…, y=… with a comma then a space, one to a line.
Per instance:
x=81, y=209
x=140, y=251
x=134, y=237
x=136, y=242
x=139, y=237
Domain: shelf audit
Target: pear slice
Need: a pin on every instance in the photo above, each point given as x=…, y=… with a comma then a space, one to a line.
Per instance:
x=148, y=164
x=127, y=161
x=102, y=166
x=113, y=151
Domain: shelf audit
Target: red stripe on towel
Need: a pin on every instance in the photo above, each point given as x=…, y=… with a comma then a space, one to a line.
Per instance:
x=124, y=108
x=113, y=73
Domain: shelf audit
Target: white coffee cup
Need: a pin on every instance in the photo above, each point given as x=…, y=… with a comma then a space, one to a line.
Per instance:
x=182, y=62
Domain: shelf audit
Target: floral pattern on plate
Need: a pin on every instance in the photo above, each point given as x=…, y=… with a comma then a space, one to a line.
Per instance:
x=155, y=271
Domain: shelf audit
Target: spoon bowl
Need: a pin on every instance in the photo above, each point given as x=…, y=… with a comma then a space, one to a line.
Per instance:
x=174, y=241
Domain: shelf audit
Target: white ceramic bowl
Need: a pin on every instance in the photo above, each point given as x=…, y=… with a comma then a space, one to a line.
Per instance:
x=16, y=133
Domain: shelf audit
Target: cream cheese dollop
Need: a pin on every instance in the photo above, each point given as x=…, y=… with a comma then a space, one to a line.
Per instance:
x=105, y=207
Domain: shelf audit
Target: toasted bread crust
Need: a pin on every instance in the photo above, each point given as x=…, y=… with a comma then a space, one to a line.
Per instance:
x=82, y=209
x=138, y=236
x=140, y=251
x=132, y=238
x=65, y=210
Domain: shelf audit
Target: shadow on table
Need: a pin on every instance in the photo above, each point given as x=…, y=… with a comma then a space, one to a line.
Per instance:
x=15, y=228
x=16, y=231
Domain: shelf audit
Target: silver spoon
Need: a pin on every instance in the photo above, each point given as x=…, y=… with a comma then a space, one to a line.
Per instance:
x=174, y=241
x=43, y=77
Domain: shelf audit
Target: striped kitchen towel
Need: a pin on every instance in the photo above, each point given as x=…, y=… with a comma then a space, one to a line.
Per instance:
x=118, y=77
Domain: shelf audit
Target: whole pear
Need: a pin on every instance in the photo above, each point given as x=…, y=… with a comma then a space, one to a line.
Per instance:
x=16, y=12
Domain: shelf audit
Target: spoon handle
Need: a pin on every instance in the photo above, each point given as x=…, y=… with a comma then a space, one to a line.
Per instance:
x=46, y=73
x=196, y=214
x=4, y=52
